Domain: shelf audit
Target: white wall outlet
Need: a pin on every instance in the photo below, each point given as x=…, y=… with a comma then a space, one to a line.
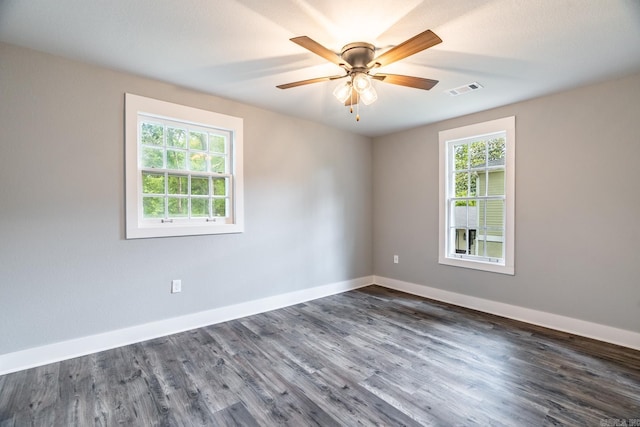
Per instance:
x=396, y=259
x=176, y=286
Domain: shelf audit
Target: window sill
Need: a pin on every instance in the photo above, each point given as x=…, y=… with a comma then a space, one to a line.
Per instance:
x=478, y=265
x=171, y=230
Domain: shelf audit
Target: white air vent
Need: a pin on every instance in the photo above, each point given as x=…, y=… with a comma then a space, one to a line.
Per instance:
x=464, y=89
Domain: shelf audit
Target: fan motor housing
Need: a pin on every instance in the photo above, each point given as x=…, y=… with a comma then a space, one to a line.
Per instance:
x=358, y=54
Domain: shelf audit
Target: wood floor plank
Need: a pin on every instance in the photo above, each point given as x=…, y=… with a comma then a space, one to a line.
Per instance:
x=368, y=357
x=207, y=368
x=235, y=415
x=392, y=393
x=361, y=407
x=75, y=395
x=113, y=406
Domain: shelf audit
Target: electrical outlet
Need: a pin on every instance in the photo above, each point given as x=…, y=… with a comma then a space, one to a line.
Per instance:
x=396, y=259
x=176, y=286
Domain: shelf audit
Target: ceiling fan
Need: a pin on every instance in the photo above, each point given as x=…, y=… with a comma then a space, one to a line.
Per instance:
x=360, y=65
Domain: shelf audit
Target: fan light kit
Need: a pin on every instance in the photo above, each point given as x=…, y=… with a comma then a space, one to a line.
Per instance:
x=360, y=65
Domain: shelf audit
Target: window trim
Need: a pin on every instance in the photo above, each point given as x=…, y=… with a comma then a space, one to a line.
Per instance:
x=136, y=227
x=507, y=125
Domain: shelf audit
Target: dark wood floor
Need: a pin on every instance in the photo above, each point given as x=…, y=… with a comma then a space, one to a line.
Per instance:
x=366, y=357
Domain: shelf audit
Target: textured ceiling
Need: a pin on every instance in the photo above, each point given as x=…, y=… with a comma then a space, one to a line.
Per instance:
x=240, y=49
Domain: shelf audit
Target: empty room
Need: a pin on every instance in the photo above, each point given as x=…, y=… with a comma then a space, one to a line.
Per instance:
x=296, y=212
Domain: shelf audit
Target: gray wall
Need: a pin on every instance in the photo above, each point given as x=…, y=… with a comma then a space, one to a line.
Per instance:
x=66, y=270
x=577, y=237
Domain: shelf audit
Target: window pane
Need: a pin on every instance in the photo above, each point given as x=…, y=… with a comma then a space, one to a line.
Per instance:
x=217, y=143
x=152, y=157
x=219, y=187
x=461, y=240
x=151, y=134
x=480, y=214
x=472, y=219
x=153, y=207
x=459, y=214
x=496, y=183
x=477, y=154
x=474, y=179
x=152, y=183
x=218, y=164
x=176, y=137
x=481, y=183
x=200, y=186
x=176, y=160
x=497, y=150
x=461, y=153
x=198, y=162
x=178, y=184
x=197, y=140
x=220, y=207
x=481, y=244
x=200, y=207
x=178, y=207
x=495, y=213
x=462, y=184
x=495, y=244
x=471, y=244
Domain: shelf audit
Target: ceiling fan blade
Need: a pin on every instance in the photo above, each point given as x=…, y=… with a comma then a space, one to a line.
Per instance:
x=308, y=82
x=415, y=44
x=415, y=82
x=318, y=49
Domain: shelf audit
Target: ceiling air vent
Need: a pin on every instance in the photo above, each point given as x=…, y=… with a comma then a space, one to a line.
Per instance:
x=464, y=89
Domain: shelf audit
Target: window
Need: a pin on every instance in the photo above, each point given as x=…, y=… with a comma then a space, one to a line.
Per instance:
x=183, y=170
x=477, y=169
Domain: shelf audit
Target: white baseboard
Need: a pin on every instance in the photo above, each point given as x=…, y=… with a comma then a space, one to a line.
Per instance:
x=548, y=320
x=38, y=356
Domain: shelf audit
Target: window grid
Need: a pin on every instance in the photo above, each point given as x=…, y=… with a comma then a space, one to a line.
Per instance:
x=177, y=150
x=481, y=200
x=210, y=198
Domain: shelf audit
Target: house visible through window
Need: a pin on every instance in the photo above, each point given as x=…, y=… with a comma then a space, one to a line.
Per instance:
x=183, y=170
x=477, y=195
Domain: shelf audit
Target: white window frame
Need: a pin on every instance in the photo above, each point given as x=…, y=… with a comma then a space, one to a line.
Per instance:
x=138, y=108
x=446, y=137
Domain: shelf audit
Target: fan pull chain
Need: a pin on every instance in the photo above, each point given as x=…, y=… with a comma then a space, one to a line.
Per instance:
x=357, y=108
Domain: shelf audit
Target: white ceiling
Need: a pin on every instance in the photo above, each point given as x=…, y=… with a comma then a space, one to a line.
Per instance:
x=240, y=49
